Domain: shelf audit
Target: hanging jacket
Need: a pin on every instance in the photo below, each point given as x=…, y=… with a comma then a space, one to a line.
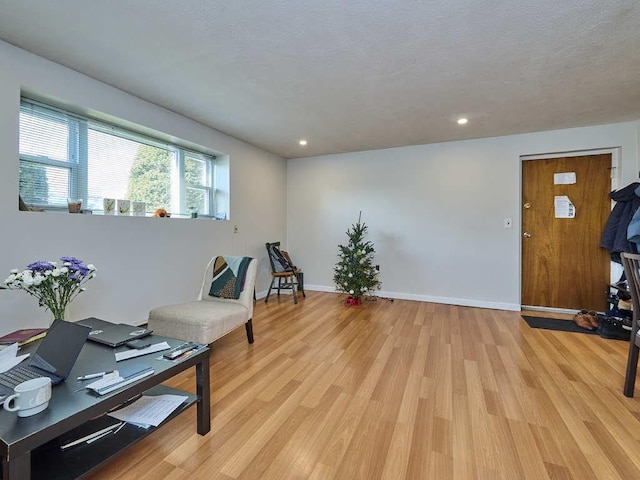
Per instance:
x=633, y=230
x=614, y=236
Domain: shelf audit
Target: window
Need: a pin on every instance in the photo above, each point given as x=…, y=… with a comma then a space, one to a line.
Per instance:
x=63, y=155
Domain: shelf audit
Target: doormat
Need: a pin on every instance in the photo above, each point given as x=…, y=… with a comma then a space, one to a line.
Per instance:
x=555, y=324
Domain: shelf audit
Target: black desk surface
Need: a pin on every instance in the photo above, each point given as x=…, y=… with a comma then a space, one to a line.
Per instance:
x=71, y=405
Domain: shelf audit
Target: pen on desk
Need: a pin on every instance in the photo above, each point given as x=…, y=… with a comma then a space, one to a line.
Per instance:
x=89, y=376
x=119, y=428
x=124, y=404
x=91, y=440
x=184, y=355
x=99, y=433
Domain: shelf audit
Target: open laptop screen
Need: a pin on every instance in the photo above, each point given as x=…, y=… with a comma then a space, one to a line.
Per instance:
x=59, y=350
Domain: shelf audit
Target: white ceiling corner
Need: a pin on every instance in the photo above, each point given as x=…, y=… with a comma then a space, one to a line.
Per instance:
x=351, y=76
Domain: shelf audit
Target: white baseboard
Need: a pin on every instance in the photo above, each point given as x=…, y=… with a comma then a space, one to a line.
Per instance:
x=464, y=302
x=549, y=309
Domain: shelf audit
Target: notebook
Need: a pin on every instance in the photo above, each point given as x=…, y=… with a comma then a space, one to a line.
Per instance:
x=125, y=375
x=54, y=357
x=113, y=334
x=22, y=335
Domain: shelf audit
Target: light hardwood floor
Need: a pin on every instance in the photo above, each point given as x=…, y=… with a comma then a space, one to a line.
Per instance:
x=400, y=390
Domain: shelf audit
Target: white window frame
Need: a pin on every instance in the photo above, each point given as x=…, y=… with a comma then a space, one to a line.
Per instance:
x=77, y=154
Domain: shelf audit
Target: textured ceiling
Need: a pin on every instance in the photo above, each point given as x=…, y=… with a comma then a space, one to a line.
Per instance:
x=351, y=75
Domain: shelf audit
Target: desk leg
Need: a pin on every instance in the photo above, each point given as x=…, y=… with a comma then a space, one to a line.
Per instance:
x=203, y=390
x=17, y=467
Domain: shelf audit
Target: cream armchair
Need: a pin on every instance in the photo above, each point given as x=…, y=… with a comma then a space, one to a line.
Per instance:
x=209, y=317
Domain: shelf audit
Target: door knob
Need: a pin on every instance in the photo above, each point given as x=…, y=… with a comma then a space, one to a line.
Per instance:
x=526, y=235
x=527, y=205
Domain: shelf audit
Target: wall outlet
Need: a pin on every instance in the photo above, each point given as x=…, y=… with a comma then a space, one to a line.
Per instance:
x=235, y=229
x=378, y=267
x=508, y=223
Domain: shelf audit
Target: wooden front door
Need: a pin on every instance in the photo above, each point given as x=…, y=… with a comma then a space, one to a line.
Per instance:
x=563, y=265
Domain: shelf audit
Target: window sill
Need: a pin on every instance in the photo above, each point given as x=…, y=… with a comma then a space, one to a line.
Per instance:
x=101, y=213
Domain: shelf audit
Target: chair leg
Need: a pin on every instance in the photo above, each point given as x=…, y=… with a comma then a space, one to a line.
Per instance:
x=300, y=278
x=249, y=327
x=279, y=285
x=293, y=290
x=632, y=368
x=269, y=291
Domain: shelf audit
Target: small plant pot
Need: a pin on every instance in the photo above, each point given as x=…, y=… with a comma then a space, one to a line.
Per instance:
x=74, y=205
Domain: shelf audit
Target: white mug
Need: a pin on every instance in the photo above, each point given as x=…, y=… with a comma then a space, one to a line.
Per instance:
x=30, y=397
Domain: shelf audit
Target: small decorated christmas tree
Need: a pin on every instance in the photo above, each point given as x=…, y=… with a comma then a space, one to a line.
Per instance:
x=355, y=273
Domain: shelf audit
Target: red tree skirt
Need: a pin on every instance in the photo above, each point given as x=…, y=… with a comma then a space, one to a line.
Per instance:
x=352, y=302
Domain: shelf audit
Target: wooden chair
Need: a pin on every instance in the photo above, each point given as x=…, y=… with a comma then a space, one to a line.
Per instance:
x=299, y=274
x=631, y=264
x=284, y=272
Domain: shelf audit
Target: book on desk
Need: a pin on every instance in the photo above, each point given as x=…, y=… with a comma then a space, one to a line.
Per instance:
x=23, y=336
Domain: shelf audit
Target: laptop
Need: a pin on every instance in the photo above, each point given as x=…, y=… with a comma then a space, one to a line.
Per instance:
x=54, y=358
x=113, y=334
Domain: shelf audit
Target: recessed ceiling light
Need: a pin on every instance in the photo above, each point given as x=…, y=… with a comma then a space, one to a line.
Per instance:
x=302, y=142
x=462, y=121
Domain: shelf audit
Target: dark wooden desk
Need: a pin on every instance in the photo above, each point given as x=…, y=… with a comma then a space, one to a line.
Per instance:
x=71, y=406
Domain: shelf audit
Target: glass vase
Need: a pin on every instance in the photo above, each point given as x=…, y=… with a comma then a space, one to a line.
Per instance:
x=59, y=313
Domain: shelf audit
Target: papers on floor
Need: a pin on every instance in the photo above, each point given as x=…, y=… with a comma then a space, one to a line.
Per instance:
x=119, y=378
x=131, y=353
x=149, y=410
x=9, y=357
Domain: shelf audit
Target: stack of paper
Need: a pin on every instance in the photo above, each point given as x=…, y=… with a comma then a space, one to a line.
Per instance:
x=134, y=352
x=9, y=357
x=149, y=410
x=123, y=376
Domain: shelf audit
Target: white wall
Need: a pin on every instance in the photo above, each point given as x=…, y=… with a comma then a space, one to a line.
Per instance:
x=142, y=262
x=434, y=212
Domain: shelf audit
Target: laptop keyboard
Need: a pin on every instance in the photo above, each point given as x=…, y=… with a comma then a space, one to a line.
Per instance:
x=17, y=375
